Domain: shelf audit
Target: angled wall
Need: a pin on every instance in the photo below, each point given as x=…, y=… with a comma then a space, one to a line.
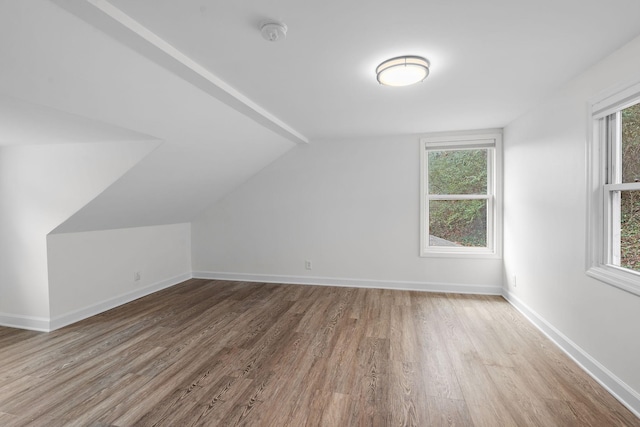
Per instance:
x=40, y=187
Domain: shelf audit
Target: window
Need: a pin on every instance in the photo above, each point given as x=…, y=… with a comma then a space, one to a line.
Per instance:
x=614, y=196
x=460, y=205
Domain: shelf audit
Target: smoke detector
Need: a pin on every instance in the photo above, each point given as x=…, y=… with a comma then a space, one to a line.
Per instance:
x=273, y=31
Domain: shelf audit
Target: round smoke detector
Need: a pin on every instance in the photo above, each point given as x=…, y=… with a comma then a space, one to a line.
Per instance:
x=273, y=31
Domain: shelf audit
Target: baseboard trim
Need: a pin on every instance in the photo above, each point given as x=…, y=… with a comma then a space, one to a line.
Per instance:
x=352, y=283
x=614, y=385
x=60, y=321
x=32, y=323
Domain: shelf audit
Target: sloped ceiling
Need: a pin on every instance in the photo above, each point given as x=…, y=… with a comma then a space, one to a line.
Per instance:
x=24, y=123
x=196, y=75
x=55, y=59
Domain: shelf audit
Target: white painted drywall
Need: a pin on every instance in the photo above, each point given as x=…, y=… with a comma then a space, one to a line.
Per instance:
x=545, y=222
x=96, y=269
x=350, y=206
x=40, y=187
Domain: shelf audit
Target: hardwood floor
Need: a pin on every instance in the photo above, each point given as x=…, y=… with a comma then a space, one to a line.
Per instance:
x=231, y=353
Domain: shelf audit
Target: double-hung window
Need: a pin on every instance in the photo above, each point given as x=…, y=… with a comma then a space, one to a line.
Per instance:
x=614, y=197
x=460, y=195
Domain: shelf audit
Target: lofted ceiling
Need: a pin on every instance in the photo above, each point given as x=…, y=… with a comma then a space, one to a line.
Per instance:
x=196, y=75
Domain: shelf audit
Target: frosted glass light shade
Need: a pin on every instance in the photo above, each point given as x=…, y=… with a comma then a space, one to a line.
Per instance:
x=402, y=71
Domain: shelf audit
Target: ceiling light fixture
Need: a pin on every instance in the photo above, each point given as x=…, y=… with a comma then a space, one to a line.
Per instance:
x=402, y=71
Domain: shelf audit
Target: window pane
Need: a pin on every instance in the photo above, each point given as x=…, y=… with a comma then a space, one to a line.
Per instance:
x=458, y=223
x=631, y=144
x=458, y=171
x=630, y=230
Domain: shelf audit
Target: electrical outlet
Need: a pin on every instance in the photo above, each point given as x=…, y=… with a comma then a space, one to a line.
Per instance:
x=136, y=276
x=308, y=265
x=515, y=283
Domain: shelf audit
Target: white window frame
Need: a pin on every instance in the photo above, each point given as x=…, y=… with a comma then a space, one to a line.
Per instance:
x=491, y=141
x=603, y=180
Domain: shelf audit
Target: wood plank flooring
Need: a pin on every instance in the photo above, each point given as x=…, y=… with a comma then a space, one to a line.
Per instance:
x=214, y=353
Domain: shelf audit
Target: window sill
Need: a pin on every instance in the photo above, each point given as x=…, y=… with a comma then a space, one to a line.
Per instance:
x=460, y=254
x=617, y=277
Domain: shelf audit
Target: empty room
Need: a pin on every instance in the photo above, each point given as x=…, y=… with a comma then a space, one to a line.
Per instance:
x=332, y=213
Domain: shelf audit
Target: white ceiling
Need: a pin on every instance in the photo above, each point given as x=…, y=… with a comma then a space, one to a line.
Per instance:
x=491, y=59
x=197, y=75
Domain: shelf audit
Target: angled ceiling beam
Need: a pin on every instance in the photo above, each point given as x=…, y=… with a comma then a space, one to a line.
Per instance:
x=117, y=24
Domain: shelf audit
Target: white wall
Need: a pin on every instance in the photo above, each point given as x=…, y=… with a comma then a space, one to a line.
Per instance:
x=90, y=272
x=350, y=206
x=41, y=186
x=545, y=231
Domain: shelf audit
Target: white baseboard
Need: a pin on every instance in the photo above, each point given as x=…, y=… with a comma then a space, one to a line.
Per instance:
x=60, y=321
x=352, y=283
x=618, y=388
x=40, y=324
x=45, y=325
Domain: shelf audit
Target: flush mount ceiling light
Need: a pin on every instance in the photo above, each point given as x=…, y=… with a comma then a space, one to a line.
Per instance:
x=402, y=71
